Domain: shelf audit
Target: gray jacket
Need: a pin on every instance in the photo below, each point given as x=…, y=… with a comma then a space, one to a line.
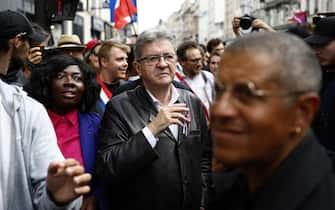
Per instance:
x=30, y=155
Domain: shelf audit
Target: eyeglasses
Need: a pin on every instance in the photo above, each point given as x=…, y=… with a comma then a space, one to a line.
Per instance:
x=155, y=59
x=195, y=60
x=248, y=92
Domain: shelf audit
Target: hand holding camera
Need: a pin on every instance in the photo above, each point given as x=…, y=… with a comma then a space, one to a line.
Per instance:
x=35, y=54
x=247, y=24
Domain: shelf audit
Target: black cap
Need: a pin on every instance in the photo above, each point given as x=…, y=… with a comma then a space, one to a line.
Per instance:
x=13, y=23
x=324, y=32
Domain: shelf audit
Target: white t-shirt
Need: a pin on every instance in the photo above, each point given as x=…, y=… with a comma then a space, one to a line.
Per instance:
x=6, y=137
x=203, y=89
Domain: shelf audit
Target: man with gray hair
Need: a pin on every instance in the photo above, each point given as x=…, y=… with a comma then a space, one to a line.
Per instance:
x=155, y=151
x=260, y=123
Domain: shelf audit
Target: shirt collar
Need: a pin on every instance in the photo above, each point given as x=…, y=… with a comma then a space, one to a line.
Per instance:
x=71, y=117
x=174, y=97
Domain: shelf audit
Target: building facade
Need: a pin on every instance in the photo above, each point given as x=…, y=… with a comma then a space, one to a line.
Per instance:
x=274, y=12
x=183, y=24
x=199, y=20
x=92, y=19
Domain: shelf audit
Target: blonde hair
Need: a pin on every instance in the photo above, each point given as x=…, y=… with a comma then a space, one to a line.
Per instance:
x=108, y=45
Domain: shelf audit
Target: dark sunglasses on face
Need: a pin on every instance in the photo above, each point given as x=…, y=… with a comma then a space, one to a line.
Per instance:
x=248, y=92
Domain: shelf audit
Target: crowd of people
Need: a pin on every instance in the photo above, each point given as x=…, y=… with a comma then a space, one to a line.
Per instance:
x=148, y=125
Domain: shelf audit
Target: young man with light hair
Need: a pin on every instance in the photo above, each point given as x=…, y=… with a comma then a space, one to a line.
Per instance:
x=113, y=60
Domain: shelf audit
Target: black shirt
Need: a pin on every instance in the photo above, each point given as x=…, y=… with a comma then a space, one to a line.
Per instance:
x=303, y=181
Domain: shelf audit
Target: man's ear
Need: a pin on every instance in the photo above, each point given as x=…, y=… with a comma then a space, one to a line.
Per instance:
x=138, y=68
x=17, y=41
x=307, y=106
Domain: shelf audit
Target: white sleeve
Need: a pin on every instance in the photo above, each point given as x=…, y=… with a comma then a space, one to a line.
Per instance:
x=149, y=136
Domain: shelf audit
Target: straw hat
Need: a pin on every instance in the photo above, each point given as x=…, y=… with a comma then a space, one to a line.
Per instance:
x=67, y=41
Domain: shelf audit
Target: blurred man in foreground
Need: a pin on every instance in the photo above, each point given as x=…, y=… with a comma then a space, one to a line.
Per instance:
x=260, y=124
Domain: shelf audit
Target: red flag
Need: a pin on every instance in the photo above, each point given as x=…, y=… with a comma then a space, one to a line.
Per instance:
x=124, y=10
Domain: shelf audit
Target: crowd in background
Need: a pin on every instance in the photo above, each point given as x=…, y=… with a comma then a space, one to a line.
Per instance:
x=241, y=125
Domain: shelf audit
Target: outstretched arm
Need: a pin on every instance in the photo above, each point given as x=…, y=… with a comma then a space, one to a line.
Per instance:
x=66, y=181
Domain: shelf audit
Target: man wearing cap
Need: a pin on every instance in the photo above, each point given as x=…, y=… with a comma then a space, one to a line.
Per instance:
x=323, y=42
x=71, y=45
x=33, y=172
x=19, y=69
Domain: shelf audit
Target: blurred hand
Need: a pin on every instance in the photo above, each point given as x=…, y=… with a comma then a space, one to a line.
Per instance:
x=171, y=114
x=89, y=203
x=35, y=55
x=66, y=181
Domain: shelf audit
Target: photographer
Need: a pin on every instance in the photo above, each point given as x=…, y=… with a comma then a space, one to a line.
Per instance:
x=249, y=24
x=19, y=70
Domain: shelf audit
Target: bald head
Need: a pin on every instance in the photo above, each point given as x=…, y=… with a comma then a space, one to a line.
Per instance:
x=297, y=65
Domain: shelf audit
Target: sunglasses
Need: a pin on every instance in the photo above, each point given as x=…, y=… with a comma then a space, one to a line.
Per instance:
x=247, y=92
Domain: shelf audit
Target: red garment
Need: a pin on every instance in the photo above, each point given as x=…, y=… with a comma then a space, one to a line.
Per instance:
x=68, y=136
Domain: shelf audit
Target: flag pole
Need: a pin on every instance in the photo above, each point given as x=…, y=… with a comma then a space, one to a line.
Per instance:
x=131, y=18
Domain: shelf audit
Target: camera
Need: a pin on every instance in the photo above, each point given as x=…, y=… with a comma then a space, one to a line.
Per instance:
x=246, y=21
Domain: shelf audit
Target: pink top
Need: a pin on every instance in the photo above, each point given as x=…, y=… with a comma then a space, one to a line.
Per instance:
x=67, y=132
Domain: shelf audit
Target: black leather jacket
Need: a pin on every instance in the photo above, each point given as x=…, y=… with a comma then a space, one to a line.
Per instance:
x=173, y=175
